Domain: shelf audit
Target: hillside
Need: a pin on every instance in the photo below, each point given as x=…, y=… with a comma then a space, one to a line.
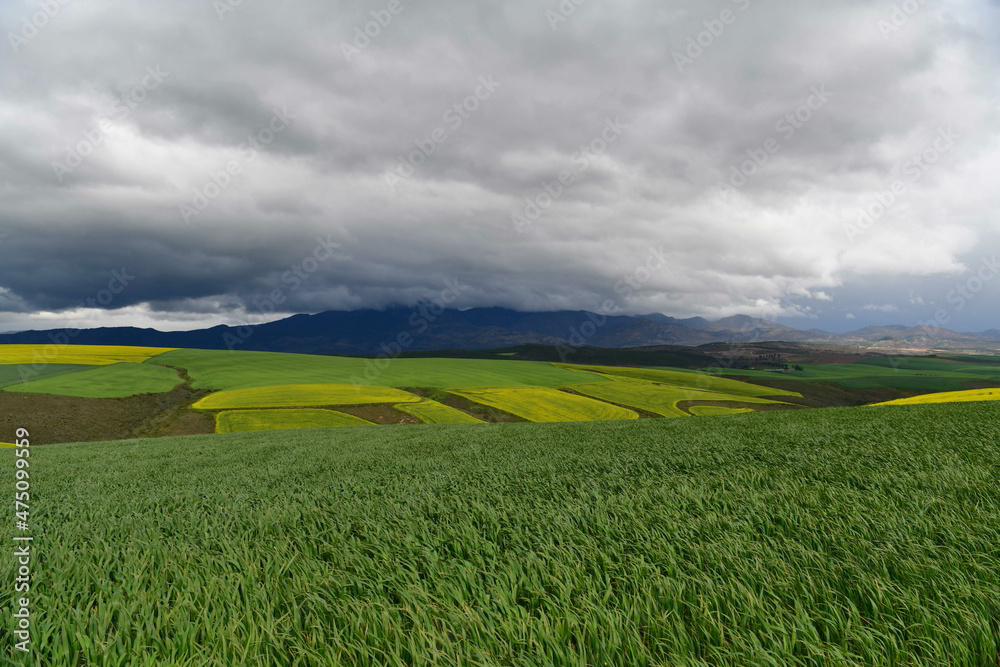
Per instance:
x=840, y=537
x=395, y=330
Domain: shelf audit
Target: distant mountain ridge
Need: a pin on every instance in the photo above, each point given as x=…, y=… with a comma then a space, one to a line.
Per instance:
x=395, y=330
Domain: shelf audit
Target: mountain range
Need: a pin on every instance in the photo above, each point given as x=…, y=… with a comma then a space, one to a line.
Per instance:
x=397, y=330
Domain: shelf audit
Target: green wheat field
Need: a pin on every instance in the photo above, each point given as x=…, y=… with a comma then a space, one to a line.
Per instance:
x=842, y=536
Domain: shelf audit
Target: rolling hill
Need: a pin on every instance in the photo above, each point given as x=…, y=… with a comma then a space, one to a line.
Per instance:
x=395, y=330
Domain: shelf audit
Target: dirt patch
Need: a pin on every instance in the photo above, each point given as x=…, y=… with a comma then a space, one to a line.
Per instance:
x=422, y=392
x=52, y=419
x=184, y=422
x=757, y=407
x=477, y=410
x=378, y=414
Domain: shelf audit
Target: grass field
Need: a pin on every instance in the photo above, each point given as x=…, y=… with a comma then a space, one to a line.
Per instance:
x=700, y=381
x=655, y=398
x=817, y=537
x=17, y=373
x=90, y=355
x=432, y=412
x=917, y=373
x=304, y=395
x=111, y=381
x=240, y=421
x=241, y=370
x=949, y=397
x=542, y=404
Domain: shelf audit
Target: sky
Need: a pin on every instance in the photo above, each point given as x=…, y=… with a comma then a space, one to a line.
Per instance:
x=185, y=163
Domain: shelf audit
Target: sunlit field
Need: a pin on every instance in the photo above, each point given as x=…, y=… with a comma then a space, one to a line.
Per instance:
x=814, y=537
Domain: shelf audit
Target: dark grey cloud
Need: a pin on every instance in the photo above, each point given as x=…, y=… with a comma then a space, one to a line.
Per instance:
x=808, y=111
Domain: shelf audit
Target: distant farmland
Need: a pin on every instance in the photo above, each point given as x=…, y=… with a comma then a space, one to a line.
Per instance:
x=95, y=392
x=159, y=391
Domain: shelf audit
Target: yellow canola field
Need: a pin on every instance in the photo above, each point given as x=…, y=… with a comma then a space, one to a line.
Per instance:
x=658, y=398
x=241, y=421
x=85, y=355
x=948, y=397
x=542, y=404
x=432, y=412
x=304, y=395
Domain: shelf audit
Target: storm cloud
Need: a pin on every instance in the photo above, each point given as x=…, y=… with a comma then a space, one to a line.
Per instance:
x=176, y=164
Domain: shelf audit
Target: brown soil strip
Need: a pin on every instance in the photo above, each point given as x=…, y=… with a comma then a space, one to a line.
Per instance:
x=757, y=407
x=378, y=414
x=51, y=419
x=643, y=414
x=477, y=410
x=422, y=392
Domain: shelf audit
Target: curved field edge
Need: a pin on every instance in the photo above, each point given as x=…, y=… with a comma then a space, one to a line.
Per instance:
x=244, y=421
x=95, y=355
x=116, y=380
x=948, y=397
x=544, y=404
x=687, y=379
x=431, y=412
x=11, y=374
x=303, y=395
x=838, y=536
x=714, y=410
x=224, y=370
x=660, y=399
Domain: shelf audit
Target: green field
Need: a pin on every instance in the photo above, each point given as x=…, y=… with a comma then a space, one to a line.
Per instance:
x=240, y=421
x=111, y=381
x=804, y=538
x=542, y=404
x=655, y=398
x=917, y=373
x=17, y=373
x=240, y=370
x=432, y=412
x=300, y=395
x=699, y=381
